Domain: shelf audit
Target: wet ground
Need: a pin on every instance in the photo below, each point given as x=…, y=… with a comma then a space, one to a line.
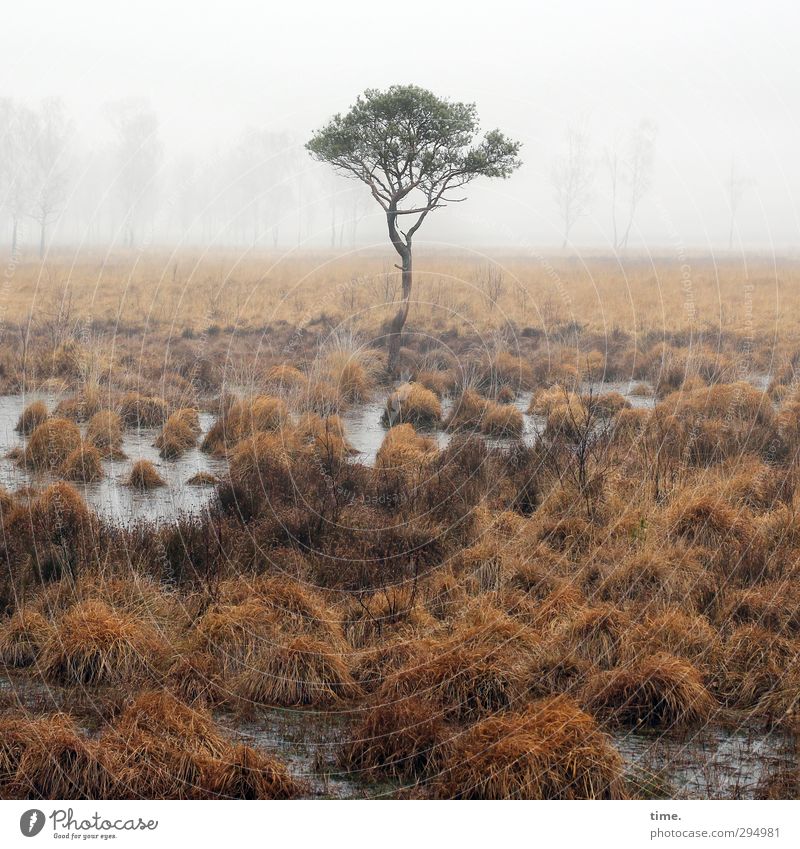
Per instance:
x=110, y=497
x=711, y=763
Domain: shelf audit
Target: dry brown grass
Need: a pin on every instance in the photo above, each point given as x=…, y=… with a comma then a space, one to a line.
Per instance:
x=467, y=412
x=92, y=644
x=243, y=420
x=412, y=403
x=753, y=663
x=502, y=420
x=402, y=740
x=47, y=758
x=51, y=443
x=179, y=434
x=404, y=449
x=301, y=671
x=550, y=751
x=84, y=464
x=144, y=411
x=23, y=636
x=247, y=773
x=598, y=634
x=104, y=431
x=144, y=476
x=31, y=417
x=659, y=690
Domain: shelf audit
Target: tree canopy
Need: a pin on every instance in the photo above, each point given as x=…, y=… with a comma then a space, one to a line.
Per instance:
x=408, y=145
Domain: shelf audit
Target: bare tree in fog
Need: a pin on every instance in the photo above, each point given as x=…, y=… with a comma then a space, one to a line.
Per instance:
x=413, y=150
x=572, y=177
x=138, y=154
x=265, y=164
x=631, y=174
x=49, y=165
x=736, y=186
x=17, y=138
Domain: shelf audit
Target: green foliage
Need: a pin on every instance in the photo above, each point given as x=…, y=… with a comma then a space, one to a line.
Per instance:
x=406, y=139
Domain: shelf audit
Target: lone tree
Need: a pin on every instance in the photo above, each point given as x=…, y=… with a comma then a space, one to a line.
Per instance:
x=413, y=150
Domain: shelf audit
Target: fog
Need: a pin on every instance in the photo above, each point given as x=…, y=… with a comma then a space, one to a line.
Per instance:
x=154, y=124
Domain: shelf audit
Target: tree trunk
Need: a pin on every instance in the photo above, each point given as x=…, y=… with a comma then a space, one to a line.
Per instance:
x=399, y=321
x=403, y=248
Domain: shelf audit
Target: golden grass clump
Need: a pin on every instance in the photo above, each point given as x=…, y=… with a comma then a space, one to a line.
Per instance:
x=59, y=513
x=412, y=403
x=545, y=400
x=669, y=575
x=465, y=681
x=47, y=758
x=233, y=633
x=553, y=750
x=403, y=740
x=194, y=677
x=326, y=437
x=404, y=449
x=301, y=671
x=203, y=479
x=160, y=716
x=243, y=420
x=286, y=378
x=246, y=773
x=598, y=634
x=501, y=421
x=83, y=465
x=393, y=613
x=261, y=465
x=142, y=410
x=660, y=691
x=104, y=431
x=23, y=637
x=144, y=476
x=507, y=371
x=179, y=434
x=706, y=519
x=51, y=443
x=31, y=417
x=92, y=644
x=467, y=412
x=682, y=634
x=753, y=662
x=349, y=374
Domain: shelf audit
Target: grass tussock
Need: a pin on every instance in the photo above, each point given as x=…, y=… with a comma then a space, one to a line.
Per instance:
x=142, y=411
x=552, y=750
x=247, y=773
x=104, y=431
x=414, y=404
x=660, y=691
x=31, y=417
x=502, y=421
x=244, y=420
x=203, y=479
x=84, y=465
x=302, y=671
x=51, y=443
x=93, y=644
x=404, y=740
x=144, y=476
x=23, y=637
x=179, y=434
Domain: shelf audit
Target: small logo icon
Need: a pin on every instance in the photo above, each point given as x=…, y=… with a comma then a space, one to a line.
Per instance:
x=31, y=822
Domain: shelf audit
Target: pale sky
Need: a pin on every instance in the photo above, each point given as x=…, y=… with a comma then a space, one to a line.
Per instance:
x=720, y=80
